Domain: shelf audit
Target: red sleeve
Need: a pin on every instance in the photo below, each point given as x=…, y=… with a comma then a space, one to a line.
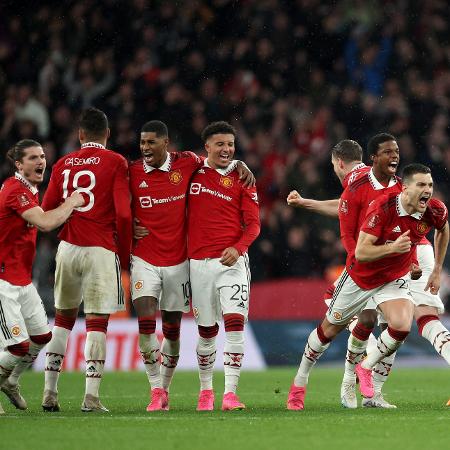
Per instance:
x=440, y=214
x=250, y=216
x=122, y=197
x=52, y=196
x=374, y=221
x=21, y=200
x=349, y=208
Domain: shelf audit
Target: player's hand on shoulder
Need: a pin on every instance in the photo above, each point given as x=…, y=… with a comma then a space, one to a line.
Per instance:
x=402, y=244
x=139, y=231
x=76, y=199
x=416, y=272
x=229, y=256
x=245, y=175
x=295, y=199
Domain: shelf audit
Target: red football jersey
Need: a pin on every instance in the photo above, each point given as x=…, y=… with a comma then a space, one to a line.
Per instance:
x=17, y=237
x=159, y=202
x=387, y=220
x=221, y=213
x=101, y=175
x=359, y=169
x=355, y=200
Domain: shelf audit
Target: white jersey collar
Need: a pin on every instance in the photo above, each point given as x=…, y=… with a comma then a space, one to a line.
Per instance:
x=23, y=180
x=377, y=185
x=401, y=211
x=164, y=168
x=226, y=170
x=358, y=166
x=93, y=144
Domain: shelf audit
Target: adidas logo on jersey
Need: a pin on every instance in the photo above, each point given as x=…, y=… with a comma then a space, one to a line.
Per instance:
x=241, y=305
x=396, y=229
x=143, y=184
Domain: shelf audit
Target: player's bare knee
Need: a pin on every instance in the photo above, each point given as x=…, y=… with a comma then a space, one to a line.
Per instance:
x=368, y=318
x=173, y=317
x=145, y=306
x=331, y=330
x=73, y=312
x=401, y=321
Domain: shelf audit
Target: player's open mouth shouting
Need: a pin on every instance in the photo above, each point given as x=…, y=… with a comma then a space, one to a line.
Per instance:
x=423, y=200
x=393, y=165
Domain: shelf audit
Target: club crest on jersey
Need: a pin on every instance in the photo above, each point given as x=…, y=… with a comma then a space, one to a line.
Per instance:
x=146, y=202
x=23, y=200
x=195, y=312
x=139, y=285
x=227, y=182
x=344, y=207
x=337, y=315
x=175, y=177
x=373, y=221
x=15, y=330
x=422, y=227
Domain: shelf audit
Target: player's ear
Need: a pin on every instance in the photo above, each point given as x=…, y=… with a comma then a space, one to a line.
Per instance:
x=108, y=133
x=81, y=135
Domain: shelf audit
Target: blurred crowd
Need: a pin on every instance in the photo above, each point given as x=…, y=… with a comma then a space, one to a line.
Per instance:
x=294, y=77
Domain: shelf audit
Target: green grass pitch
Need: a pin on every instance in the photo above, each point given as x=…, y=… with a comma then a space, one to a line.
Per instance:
x=420, y=422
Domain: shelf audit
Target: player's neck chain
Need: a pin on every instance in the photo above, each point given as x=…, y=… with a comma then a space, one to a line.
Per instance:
x=24, y=181
x=92, y=144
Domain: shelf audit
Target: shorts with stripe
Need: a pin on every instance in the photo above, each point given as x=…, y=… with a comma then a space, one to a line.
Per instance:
x=329, y=296
x=169, y=285
x=219, y=289
x=90, y=275
x=22, y=314
x=349, y=299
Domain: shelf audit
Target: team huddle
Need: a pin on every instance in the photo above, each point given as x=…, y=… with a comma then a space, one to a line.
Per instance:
x=182, y=225
x=89, y=195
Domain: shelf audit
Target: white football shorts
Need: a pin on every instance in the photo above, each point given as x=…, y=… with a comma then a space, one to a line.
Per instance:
x=219, y=289
x=169, y=285
x=90, y=275
x=349, y=299
x=22, y=314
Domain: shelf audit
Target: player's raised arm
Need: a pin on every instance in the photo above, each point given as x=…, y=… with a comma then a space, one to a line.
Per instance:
x=122, y=199
x=49, y=220
x=323, y=207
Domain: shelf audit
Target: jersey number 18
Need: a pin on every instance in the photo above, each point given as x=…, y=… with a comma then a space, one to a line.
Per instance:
x=76, y=187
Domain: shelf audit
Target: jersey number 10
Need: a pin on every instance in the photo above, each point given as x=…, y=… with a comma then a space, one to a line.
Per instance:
x=76, y=187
